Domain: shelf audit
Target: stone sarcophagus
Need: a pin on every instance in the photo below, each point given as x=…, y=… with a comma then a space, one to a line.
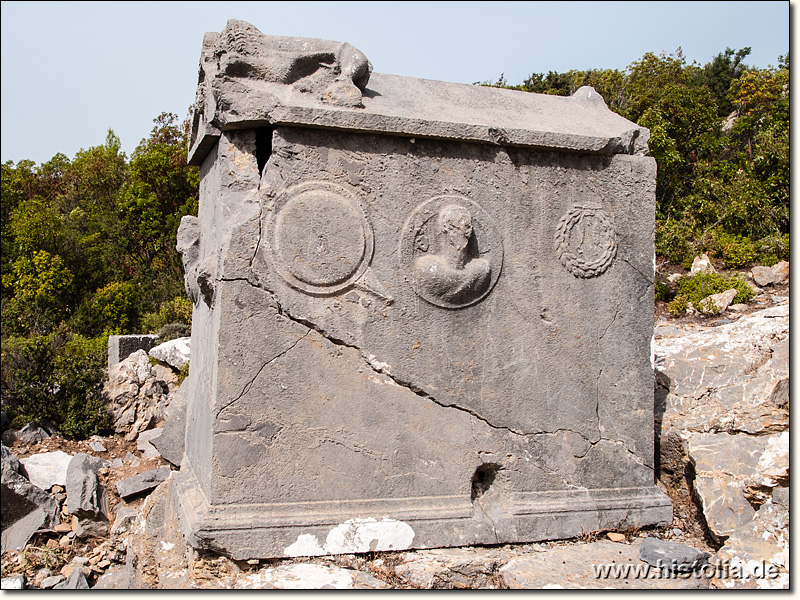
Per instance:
x=423, y=311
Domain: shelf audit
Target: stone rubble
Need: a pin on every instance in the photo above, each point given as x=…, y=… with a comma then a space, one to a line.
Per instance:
x=29, y=434
x=671, y=555
x=137, y=394
x=143, y=482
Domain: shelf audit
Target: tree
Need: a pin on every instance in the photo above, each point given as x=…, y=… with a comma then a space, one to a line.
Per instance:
x=161, y=189
x=724, y=68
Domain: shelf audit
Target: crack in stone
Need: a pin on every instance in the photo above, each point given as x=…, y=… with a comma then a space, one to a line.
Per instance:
x=477, y=503
x=260, y=233
x=597, y=400
x=250, y=383
x=311, y=326
x=647, y=278
x=605, y=331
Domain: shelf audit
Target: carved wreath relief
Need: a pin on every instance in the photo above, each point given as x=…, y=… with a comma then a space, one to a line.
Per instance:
x=585, y=241
x=451, y=251
x=321, y=240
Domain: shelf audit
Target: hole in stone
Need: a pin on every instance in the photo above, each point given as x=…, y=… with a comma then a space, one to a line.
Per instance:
x=483, y=479
x=263, y=147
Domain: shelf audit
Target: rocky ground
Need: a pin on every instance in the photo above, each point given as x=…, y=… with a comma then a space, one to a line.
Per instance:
x=95, y=513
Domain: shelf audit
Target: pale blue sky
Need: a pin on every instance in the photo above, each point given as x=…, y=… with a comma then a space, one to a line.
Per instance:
x=72, y=70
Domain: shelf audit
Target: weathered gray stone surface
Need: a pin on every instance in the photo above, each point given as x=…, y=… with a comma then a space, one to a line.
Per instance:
x=29, y=433
x=360, y=292
x=97, y=446
x=171, y=442
x=143, y=482
x=121, y=347
x=781, y=496
x=46, y=469
x=9, y=463
x=90, y=526
x=121, y=577
x=760, y=550
x=123, y=520
x=734, y=472
x=597, y=565
x=144, y=442
x=248, y=78
x=52, y=581
x=84, y=492
x=25, y=507
x=726, y=398
x=21, y=519
x=732, y=380
x=671, y=555
x=76, y=581
x=175, y=353
x=136, y=395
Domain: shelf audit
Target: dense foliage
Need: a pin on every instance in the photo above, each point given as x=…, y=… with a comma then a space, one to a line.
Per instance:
x=88, y=250
x=720, y=136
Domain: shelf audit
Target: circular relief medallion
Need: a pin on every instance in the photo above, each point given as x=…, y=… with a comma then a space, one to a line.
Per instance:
x=586, y=242
x=451, y=251
x=321, y=241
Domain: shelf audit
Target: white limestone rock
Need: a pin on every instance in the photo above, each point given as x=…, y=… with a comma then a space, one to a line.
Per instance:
x=702, y=264
x=175, y=353
x=759, y=551
x=136, y=395
x=47, y=469
x=763, y=276
x=780, y=271
x=731, y=378
x=717, y=303
x=733, y=472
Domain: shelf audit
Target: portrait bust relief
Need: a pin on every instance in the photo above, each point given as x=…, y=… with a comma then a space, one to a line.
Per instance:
x=452, y=252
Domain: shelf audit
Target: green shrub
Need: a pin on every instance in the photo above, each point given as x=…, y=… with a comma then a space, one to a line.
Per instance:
x=115, y=305
x=673, y=241
x=57, y=377
x=112, y=309
x=663, y=291
x=183, y=373
x=773, y=249
x=735, y=250
x=678, y=306
x=696, y=288
x=177, y=310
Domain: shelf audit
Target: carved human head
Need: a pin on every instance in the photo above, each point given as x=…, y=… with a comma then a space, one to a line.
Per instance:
x=456, y=224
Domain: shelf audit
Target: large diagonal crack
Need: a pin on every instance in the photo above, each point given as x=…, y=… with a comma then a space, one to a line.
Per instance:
x=250, y=383
x=378, y=368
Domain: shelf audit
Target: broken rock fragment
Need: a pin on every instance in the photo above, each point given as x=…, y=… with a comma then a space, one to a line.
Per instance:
x=143, y=482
